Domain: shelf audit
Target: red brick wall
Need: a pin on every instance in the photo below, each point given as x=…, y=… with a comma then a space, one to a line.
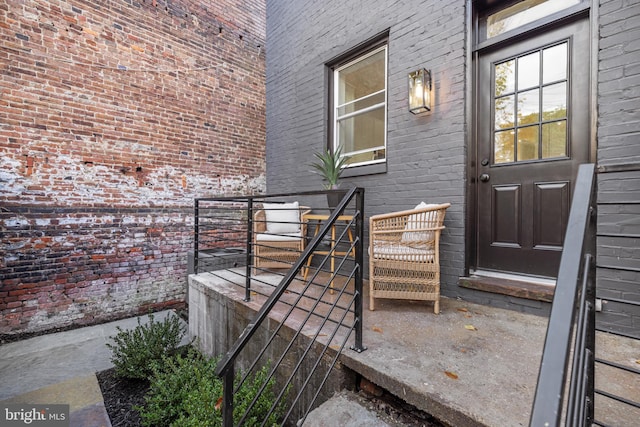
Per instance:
x=114, y=116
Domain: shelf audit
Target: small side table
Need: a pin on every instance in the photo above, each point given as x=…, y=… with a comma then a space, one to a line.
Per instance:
x=318, y=218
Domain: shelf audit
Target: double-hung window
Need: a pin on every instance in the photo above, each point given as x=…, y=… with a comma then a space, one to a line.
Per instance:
x=360, y=108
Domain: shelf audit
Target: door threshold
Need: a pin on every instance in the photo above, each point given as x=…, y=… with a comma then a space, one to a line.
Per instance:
x=526, y=287
x=513, y=276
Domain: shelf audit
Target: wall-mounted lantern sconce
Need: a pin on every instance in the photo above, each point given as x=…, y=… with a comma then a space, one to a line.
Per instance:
x=419, y=91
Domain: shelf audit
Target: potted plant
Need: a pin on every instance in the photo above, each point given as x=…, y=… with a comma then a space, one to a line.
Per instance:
x=330, y=165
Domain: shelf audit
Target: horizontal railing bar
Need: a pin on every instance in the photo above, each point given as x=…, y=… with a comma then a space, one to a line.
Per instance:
x=619, y=333
x=618, y=365
x=623, y=235
x=619, y=167
x=618, y=202
x=620, y=301
x=617, y=398
x=618, y=267
x=600, y=423
x=260, y=197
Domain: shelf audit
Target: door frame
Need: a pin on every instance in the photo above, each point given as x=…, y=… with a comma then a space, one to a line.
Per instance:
x=475, y=9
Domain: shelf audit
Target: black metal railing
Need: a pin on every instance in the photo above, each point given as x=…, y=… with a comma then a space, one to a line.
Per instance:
x=573, y=305
x=309, y=313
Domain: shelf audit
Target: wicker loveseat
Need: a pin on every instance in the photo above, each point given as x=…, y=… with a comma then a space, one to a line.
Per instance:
x=404, y=255
x=279, y=235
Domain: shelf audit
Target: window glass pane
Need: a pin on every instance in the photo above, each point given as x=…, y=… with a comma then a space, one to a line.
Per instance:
x=361, y=104
x=503, y=146
x=529, y=71
x=505, y=78
x=554, y=63
x=362, y=132
x=505, y=112
x=554, y=102
x=362, y=78
x=359, y=110
x=522, y=13
x=554, y=139
x=529, y=107
x=528, y=143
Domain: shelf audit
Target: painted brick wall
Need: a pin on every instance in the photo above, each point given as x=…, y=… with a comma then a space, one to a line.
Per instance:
x=619, y=143
x=114, y=116
x=431, y=36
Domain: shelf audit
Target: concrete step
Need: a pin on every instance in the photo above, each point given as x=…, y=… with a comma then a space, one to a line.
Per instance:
x=348, y=409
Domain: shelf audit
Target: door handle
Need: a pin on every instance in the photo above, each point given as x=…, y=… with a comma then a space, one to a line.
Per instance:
x=484, y=177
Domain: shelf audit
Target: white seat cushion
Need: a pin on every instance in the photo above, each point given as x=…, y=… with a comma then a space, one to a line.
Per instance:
x=282, y=218
x=403, y=253
x=288, y=237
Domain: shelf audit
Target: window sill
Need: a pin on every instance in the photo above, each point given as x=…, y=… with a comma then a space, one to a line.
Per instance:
x=365, y=170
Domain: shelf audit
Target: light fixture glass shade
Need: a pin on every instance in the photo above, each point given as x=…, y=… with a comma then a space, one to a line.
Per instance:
x=419, y=91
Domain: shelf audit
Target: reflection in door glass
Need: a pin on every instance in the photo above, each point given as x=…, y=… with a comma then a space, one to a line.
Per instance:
x=505, y=112
x=554, y=139
x=529, y=107
x=529, y=71
x=527, y=148
x=554, y=63
x=554, y=101
x=503, y=146
x=505, y=78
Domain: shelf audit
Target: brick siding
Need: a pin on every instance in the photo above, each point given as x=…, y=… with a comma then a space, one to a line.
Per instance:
x=114, y=116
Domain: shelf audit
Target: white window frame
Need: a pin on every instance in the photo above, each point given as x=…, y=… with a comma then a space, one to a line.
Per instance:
x=383, y=105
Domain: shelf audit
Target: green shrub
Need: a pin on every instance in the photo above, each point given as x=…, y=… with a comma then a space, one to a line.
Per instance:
x=135, y=351
x=186, y=392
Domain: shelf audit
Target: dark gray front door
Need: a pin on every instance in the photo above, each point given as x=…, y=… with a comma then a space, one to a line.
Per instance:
x=533, y=133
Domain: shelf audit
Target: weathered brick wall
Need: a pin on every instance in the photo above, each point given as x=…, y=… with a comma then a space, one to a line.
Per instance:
x=114, y=116
x=619, y=144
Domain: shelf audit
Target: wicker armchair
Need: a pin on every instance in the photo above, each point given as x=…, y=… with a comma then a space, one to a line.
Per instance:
x=279, y=235
x=404, y=258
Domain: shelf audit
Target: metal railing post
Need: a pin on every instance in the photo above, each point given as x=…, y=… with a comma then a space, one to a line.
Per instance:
x=227, y=396
x=196, y=235
x=359, y=273
x=247, y=284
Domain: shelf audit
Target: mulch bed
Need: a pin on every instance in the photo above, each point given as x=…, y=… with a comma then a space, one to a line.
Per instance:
x=120, y=396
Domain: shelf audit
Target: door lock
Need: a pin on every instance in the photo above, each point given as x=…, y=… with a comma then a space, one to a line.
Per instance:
x=484, y=177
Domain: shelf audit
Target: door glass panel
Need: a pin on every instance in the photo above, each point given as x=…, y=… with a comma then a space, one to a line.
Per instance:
x=535, y=109
x=505, y=78
x=554, y=139
x=554, y=102
x=529, y=71
x=503, y=146
x=554, y=63
x=528, y=143
x=505, y=112
x=529, y=107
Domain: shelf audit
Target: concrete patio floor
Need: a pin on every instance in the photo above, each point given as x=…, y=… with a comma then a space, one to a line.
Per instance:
x=470, y=365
